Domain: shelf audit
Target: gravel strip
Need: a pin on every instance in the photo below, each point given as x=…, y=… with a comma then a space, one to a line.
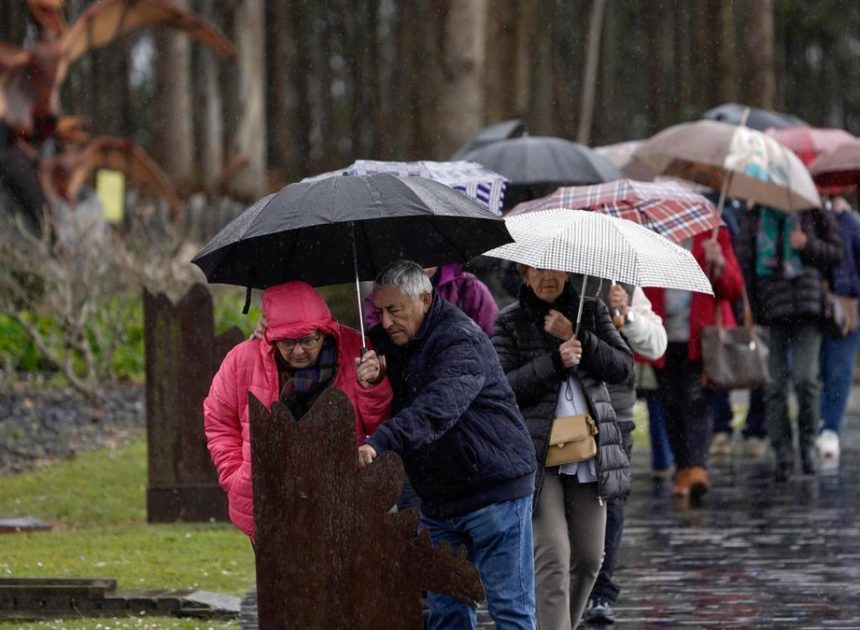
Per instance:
x=42, y=424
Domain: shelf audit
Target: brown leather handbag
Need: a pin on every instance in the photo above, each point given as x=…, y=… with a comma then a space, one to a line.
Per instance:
x=571, y=440
x=734, y=358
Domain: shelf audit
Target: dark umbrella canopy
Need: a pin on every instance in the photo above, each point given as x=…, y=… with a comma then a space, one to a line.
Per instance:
x=499, y=131
x=760, y=119
x=306, y=230
x=542, y=159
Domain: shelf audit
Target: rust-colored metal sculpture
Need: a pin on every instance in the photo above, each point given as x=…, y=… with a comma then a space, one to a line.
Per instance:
x=330, y=552
x=31, y=78
x=182, y=356
x=66, y=173
x=30, y=82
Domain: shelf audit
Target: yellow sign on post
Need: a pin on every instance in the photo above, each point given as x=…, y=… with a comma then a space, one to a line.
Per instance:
x=110, y=189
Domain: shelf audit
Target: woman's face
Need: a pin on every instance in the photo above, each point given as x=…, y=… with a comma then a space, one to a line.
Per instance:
x=300, y=353
x=547, y=284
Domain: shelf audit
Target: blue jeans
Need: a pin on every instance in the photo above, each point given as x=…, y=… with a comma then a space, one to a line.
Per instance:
x=756, y=422
x=723, y=413
x=837, y=372
x=499, y=540
x=661, y=453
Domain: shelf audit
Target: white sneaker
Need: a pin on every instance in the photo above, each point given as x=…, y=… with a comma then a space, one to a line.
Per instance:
x=721, y=444
x=828, y=446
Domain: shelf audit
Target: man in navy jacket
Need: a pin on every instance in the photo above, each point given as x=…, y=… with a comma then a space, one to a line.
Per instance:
x=463, y=443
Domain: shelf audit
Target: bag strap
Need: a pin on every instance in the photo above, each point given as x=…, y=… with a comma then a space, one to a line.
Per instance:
x=747, y=312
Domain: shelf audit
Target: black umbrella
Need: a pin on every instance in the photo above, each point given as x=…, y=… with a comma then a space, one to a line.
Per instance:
x=537, y=165
x=753, y=117
x=499, y=131
x=341, y=229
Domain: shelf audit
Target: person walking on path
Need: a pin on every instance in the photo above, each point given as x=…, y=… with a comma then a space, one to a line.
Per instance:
x=785, y=259
x=463, y=443
x=644, y=333
x=838, y=354
x=300, y=353
x=556, y=373
x=679, y=373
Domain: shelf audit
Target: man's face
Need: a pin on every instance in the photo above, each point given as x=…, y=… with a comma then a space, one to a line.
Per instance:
x=400, y=314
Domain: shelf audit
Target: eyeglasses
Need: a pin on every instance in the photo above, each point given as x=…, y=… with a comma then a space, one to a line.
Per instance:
x=307, y=343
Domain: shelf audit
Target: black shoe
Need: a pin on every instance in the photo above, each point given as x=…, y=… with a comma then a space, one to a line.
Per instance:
x=599, y=612
x=809, y=460
x=783, y=471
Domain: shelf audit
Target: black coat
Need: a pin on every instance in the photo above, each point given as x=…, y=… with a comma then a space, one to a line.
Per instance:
x=531, y=360
x=780, y=300
x=458, y=429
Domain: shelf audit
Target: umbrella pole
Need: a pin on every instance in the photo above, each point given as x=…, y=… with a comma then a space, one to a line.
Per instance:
x=724, y=189
x=581, y=302
x=358, y=289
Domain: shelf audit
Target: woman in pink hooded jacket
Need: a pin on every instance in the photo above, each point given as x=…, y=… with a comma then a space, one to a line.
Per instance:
x=304, y=351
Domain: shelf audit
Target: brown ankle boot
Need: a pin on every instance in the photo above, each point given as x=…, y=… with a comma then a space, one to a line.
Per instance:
x=699, y=482
x=681, y=487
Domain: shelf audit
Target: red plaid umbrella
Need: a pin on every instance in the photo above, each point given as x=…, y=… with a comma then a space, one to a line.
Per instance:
x=671, y=210
x=809, y=142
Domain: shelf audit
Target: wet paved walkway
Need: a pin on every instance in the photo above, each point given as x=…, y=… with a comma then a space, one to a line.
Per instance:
x=754, y=554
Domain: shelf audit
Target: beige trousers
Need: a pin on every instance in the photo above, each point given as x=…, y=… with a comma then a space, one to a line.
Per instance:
x=569, y=528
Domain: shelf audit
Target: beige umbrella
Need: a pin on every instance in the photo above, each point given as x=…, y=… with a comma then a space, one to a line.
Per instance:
x=739, y=161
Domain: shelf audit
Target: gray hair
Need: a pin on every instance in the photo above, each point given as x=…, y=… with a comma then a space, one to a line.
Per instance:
x=406, y=275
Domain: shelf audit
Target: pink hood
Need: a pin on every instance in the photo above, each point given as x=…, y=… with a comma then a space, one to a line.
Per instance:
x=294, y=310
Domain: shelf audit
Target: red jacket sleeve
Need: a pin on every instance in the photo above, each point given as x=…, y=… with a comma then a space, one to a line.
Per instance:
x=729, y=284
x=372, y=404
x=221, y=419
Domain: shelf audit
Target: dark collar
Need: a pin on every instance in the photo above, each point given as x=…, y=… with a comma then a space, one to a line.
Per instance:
x=567, y=303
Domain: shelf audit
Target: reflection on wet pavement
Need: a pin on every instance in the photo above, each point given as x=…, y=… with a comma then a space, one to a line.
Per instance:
x=754, y=554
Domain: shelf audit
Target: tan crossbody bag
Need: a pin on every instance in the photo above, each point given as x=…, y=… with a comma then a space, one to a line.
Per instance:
x=571, y=440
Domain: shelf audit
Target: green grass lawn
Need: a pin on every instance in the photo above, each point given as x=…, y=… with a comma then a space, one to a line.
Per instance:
x=97, y=504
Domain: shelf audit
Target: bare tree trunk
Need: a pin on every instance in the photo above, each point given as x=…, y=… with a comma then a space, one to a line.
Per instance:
x=592, y=59
x=501, y=75
x=251, y=135
x=683, y=76
x=540, y=78
x=172, y=126
x=526, y=12
x=462, y=105
x=209, y=105
x=278, y=72
x=568, y=36
x=426, y=87
x=759, y=54
x=721, y=40
x=660, y=52
x=301, y=18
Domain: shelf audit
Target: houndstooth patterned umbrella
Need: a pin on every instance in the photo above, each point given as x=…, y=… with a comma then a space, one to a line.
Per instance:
x=600, y=246
x=669, y=209
x=473, y=180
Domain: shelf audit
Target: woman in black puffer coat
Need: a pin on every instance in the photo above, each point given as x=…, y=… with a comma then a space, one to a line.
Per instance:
x=554, y=373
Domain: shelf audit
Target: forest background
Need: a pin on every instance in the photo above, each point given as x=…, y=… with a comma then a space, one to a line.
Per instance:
x=318, y=84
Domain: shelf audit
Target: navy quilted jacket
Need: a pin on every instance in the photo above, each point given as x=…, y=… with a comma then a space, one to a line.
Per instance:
x=457, y=426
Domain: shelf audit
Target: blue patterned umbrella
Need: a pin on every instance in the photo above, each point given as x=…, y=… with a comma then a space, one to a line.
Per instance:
x=473, y=180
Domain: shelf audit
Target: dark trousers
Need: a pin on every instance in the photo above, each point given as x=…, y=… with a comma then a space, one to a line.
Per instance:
x=605, y=587
x=689, y=416
x=756, y=422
